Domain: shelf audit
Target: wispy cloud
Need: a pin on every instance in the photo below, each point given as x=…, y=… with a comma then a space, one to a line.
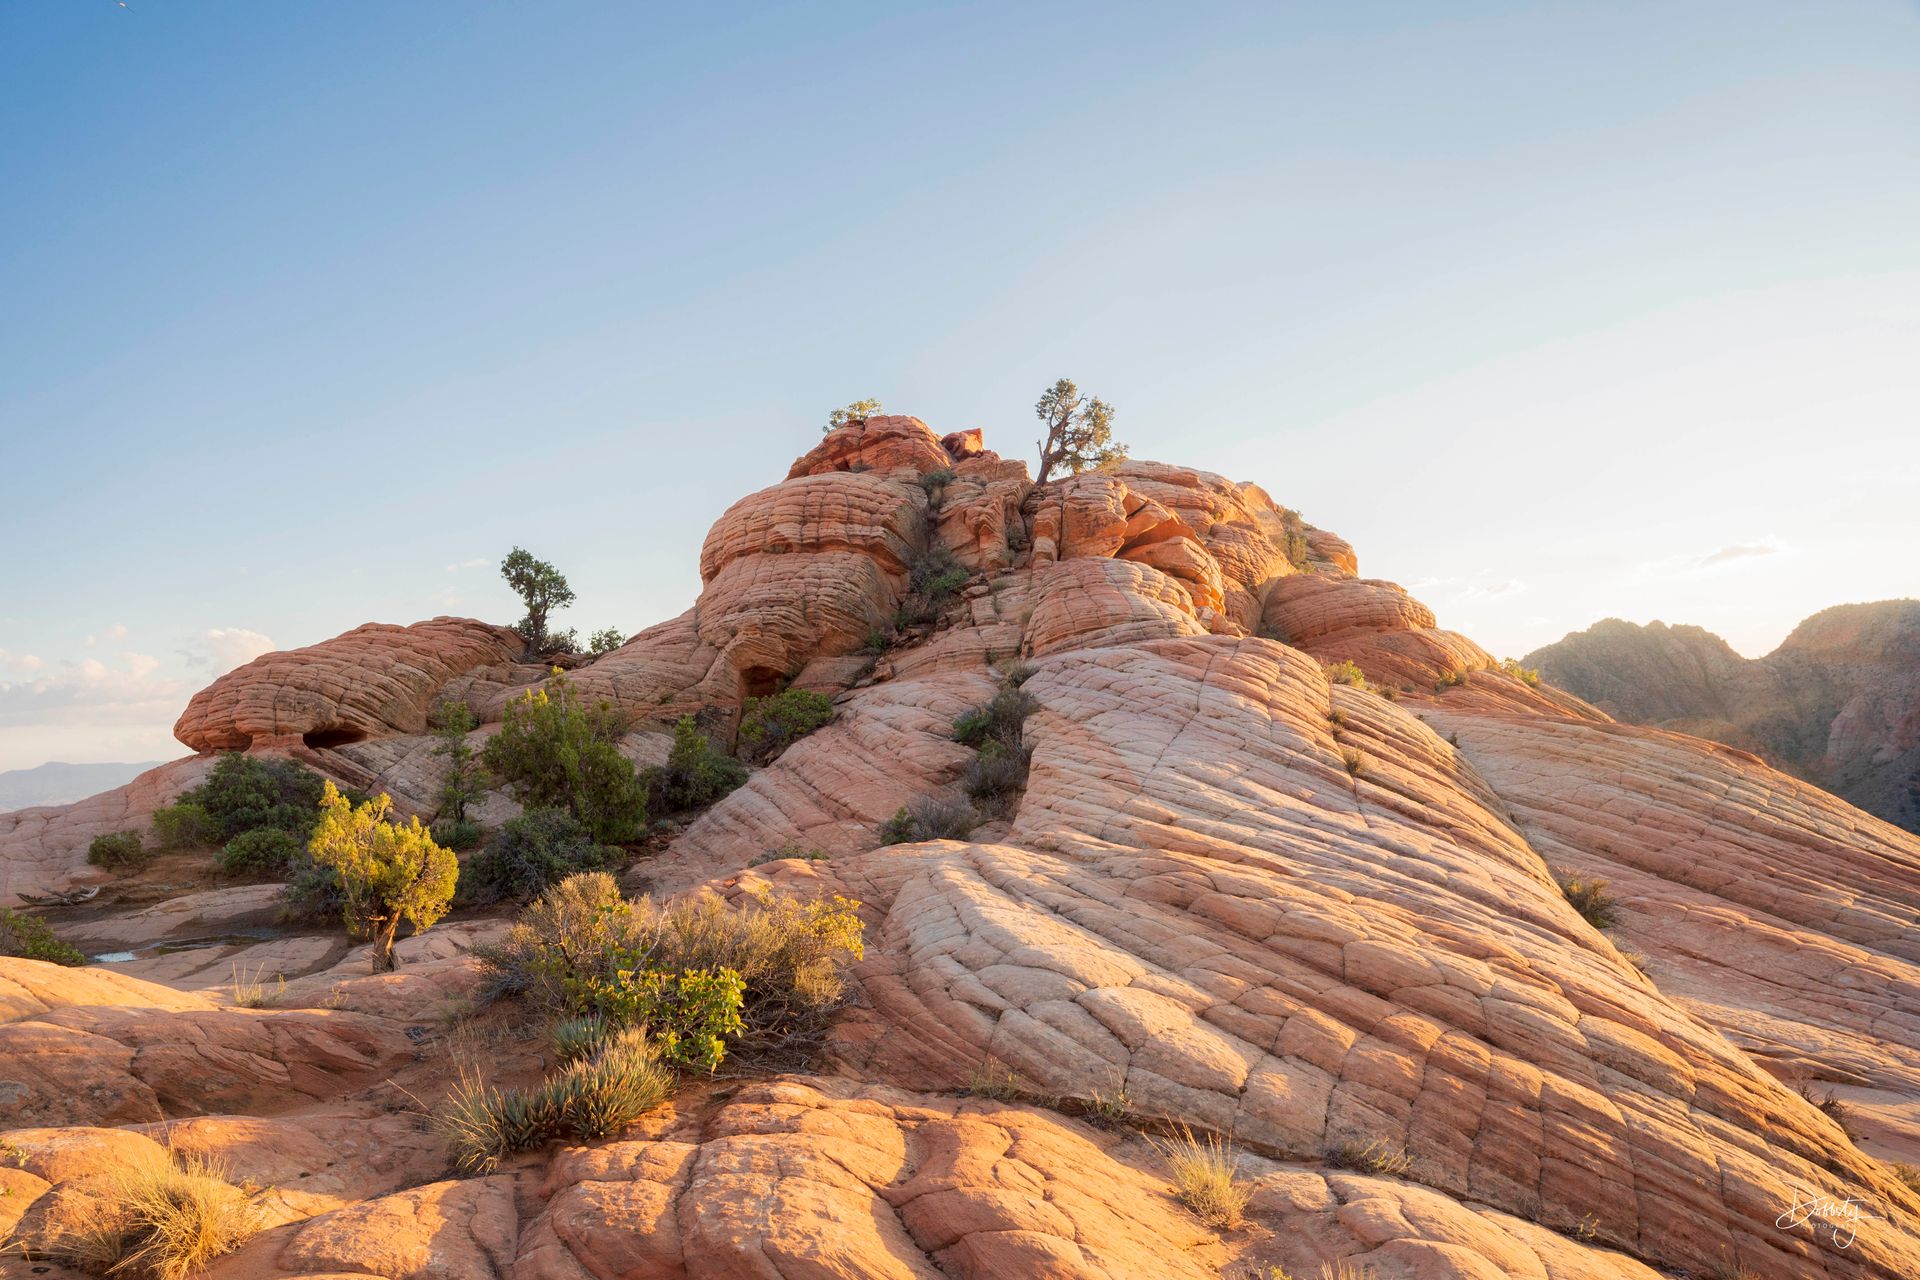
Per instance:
x=221, y=649
x=20, y=663
x=1483, y=585
x=478, y=562
x=1741, y=551
x=1702, y=562
x=112, y=635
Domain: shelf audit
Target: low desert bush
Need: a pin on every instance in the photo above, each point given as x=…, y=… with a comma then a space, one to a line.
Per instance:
x=930, y=818
x=536, y=849
x=1000, y=719
x=695, y=775
x=262, y=851
x=244, y=793
x=1355, y=760
x=576, y=1038
x=761, y=977
x=121, y=851
x=1347, y=671
x=594, y=1096
x=1833, y=1107
x=1526, y=675
x=1206, y=1175
x=314, y=894
x=161, y=1216
x=769, y=725
x=459, y=834
x=554, y=751
x=30, y=938
x=997, y=773
x=1909, y=1176
x=1378, y=1156
x=183, y=825
x=1590, y=898
x=934, y=481
x=1450, y=679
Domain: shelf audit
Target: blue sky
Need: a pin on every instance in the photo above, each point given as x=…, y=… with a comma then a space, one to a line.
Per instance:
x=311, y=311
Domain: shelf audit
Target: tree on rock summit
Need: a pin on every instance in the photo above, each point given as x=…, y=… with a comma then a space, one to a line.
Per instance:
x=1079, y=432
x=542, y=589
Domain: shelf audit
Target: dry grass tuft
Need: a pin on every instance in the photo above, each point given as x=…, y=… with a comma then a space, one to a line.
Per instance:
x=163, y=1217
x=1371, y=1157
x=995, y=1079
x=252, y=990
x=1206, y=1175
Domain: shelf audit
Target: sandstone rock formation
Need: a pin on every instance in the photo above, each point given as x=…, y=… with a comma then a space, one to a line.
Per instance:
x=1838, y=703
x=1318, y=919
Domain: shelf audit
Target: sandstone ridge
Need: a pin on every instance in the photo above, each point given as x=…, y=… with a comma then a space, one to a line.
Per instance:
x=1313, y=917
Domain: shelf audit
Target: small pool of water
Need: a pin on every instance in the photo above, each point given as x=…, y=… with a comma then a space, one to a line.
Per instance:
x=245, y=937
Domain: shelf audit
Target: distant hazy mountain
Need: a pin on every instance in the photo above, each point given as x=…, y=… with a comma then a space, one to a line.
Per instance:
x=1837, y=703
x=57, y=783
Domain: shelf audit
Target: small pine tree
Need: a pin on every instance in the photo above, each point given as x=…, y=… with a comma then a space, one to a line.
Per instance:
x=463, y=783
x=1079, y=432
x=388, y=873
x=542, y=589
x=858, y=411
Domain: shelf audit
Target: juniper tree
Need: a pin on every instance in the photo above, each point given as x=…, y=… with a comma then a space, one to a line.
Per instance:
x=1079, y=432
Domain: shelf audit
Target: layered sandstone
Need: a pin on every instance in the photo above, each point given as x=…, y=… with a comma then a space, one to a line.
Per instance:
x=1311, y=917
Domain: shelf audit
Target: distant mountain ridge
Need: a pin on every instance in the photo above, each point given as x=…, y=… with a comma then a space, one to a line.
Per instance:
x=1838, y=703
x=60, y=783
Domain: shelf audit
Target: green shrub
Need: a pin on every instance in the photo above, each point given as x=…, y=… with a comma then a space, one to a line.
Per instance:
x=1348, y=672
x=1449, y=679
x=568, y=934
x=594, y=1096
x=1001, y=719
x=930, y=818
x=30, y=938
x=937, y=575
x=577, y=1038
x=857, y=412
x=245, y=792
x=262, y=851
x=454, y=721
x=876, y=643
x=121, y=851
x=933, y=481
x=997, y=772
x=688, y=1014
x=459, y=834
x=696, y=772
x=552, y=752
x=1526, y=675
x=539, y=848
x=1590, y=898
x=606, y=640
x=769, y=725
x=314, y=894
x=581, y=950
x=184, y=825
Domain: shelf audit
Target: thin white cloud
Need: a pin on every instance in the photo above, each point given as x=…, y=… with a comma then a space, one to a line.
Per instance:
x=478, y=562
x=1714, y=561
x=21, y=662
x=1494, y=590
x=1741, y=551
x=221, y=649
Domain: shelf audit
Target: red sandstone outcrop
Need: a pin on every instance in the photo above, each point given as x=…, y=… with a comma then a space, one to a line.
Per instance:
x=373, y=681
x=1312, y=917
